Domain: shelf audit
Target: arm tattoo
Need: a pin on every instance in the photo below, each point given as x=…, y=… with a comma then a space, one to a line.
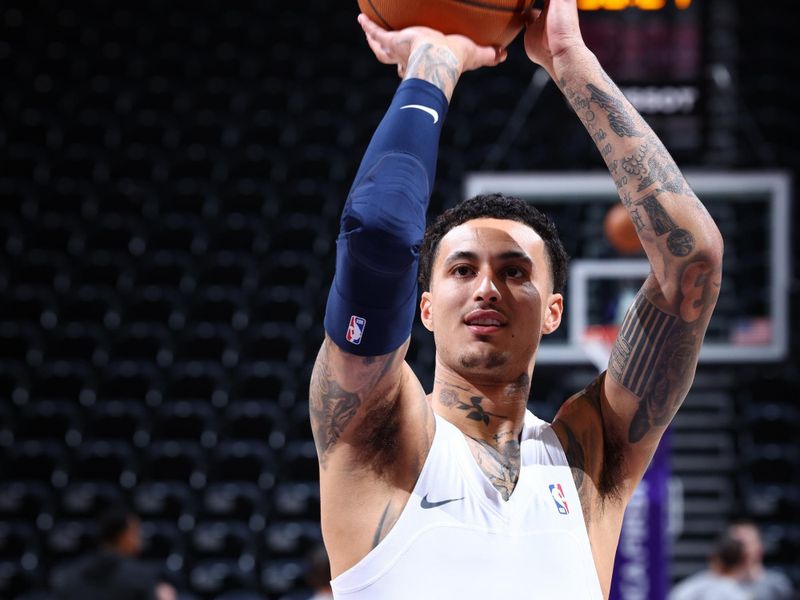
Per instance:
x=659, y=218
x=436, y=65
x=331, y=407
x=634, y=165
x=639, y=344
x=655, y=353
x=619, y=120
x=680, y=241
x=500, y=465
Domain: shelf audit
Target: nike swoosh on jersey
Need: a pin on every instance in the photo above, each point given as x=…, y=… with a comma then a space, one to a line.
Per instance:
x=426, y=109
x=425, y=504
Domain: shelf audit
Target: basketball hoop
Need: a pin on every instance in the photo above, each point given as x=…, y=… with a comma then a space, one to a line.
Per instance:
x=597, y=343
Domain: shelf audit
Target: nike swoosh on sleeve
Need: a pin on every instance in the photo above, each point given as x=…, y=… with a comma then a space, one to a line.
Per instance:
x=426, y=109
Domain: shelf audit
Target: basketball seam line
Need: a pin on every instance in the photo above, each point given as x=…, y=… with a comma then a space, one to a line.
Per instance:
x=379, y=15
x=487, y=5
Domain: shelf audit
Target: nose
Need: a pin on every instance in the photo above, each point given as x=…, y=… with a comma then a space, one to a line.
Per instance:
x=487, y=291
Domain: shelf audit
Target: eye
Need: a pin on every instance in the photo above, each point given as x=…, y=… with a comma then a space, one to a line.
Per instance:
x=462, y=271
x=515, y=272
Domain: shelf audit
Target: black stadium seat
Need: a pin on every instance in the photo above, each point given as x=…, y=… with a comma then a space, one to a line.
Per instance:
x=26, y=501
x=240, y=500
x=170, y=500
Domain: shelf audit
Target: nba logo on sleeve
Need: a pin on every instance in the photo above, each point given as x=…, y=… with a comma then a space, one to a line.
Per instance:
x=559, y=498
x=355, y=331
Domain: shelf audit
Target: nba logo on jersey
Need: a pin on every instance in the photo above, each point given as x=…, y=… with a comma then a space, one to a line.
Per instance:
x=559, y=498
x=355, y=331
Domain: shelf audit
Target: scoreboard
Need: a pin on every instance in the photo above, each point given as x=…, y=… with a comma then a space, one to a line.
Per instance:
x=654, y=50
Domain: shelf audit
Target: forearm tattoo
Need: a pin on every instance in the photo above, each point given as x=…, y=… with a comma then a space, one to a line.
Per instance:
x=649, y=167
x=436, y=65
x=621, y=123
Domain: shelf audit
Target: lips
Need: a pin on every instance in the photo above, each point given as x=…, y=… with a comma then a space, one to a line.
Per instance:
x=485, y=321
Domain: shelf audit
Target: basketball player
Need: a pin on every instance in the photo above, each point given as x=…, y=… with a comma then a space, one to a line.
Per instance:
x=463, y=493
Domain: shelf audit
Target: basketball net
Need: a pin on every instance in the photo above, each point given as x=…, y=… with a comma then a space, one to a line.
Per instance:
x=597, y=343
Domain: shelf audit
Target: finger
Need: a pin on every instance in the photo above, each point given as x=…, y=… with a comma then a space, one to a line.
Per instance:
x=380, y=52
x=363, y=20
x=488, y=56
x=369, y=26
x=532, y=15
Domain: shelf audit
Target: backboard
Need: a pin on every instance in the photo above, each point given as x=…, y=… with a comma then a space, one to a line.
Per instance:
x=751, y=321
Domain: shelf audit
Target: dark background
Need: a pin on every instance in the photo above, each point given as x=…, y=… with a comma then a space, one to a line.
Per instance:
x=170, y=181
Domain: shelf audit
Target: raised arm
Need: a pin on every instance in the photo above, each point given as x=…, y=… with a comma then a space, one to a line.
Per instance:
x=371, y=423
x=654, y=358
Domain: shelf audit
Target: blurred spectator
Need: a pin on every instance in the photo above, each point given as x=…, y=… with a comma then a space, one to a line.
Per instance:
x=319, y=574
x=758, y=581
x=720, y=580
x=113, y=569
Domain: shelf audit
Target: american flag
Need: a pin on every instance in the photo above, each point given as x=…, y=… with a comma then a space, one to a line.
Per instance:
x=756, y=331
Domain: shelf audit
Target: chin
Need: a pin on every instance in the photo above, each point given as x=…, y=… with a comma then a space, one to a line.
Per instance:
x=484, y=361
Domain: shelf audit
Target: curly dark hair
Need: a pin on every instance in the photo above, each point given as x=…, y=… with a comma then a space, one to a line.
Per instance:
x=495, y=206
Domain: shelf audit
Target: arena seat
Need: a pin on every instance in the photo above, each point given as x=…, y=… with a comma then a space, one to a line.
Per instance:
x=55, y=420
x=175, y=461
x=162, y=540
x=70, y=539
x=19, y=344
x=191, y=420
x=209, y=578
x=165, y=273
x=26, y=501
x=206, y=343
x=297, y=500
x=225, y=539
x=291, y=538
x=118, y=419
x=300, y=459
x=101, y=271
x=109, y=461
x=282, y=304
x=36, y=461
x=281, y=576
x=27, y=304
x=243, y=461
x=272, y=344
x=84, y=500
x=171, y=500
x=141, y=342
x=87, y=305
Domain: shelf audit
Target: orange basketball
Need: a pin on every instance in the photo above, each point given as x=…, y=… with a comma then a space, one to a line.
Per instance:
x=488, y=22
x=620, y=231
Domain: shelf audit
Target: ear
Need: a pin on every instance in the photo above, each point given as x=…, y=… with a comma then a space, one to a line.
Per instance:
x=552, y=316
x=426, y=310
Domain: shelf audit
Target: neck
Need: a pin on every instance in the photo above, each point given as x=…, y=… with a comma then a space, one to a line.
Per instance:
x=491, y=410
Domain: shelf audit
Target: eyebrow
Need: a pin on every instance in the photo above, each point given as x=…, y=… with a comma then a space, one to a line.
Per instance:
x=472, y=256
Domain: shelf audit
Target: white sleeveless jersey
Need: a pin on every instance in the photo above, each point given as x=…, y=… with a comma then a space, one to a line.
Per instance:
x=457, y=538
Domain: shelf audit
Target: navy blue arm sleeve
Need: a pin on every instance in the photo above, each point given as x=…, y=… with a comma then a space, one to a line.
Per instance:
x=372, y=301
